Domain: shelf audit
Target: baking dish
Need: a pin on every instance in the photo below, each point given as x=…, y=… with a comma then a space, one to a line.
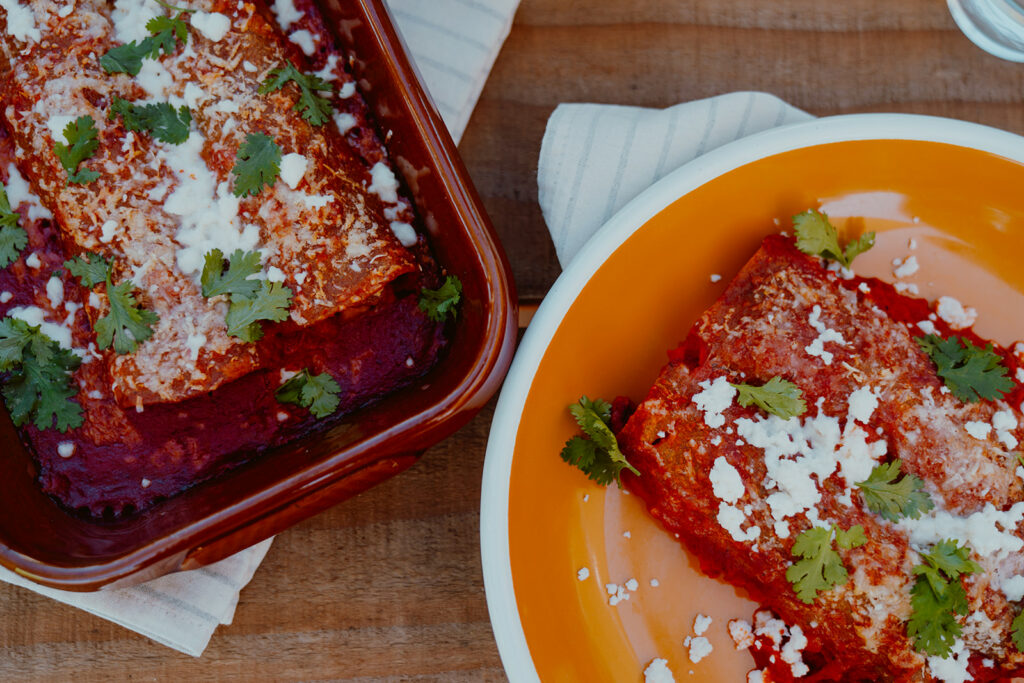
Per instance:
x=45, y=543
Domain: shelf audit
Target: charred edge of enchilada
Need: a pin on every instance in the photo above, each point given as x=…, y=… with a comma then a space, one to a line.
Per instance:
x=668, y=441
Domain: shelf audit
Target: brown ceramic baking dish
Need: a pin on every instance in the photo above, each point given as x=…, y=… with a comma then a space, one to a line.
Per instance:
x=44, y=542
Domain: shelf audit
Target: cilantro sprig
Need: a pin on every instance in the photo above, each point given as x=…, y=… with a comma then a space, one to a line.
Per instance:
x=776, y=396
x=815, y=235
x=127, y=323
x=81, y=142
x=442, y=302
x=972, y=373
x=820, y=567
x=12, y=238
x=1017, y=632
x=165, y=32
x=319, y=393
x=314, y=108
x=257, y=163
x=893, y=499
x=938, y=596
x=597, y=453
x=161, y=120
x=252, y=300
x=39, y=384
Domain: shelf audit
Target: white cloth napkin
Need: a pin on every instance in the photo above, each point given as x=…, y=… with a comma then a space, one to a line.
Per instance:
x=594, y=158
x=453, y=44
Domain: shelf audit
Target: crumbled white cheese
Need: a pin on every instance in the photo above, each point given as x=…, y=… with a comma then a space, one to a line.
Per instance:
x=305, y=40
x=906, y=267
x=862, y=402
x=275, y=274
x=1013, y=588
x=293, y=168
x=347, y=90
x=755, y=676
x=715, y=277
x=825, y=334
x=5, y=296
x=55, y=291
x=33, y=260
x=107, y=231
x=213, y=25
x=18, y=192
x=864, y=287
x=208, y=210
x=955, y=314
x=742, y=633
x=658, y=672
x=979, y=430
x=21, y=21
x=716, y=396
x=906, y=288
x=989, y=531
x=700, y=647
x=1003, y=422
x=250, y=67
x=383, y=183
x=954, y=667
x=193, y=95
x=701, y=623
x=725, y=481
x=286, y=13
x=583, y=574
x=405, y=233
x=731, y=519
x=130, y=17
x=344, y=121
x=329, y=72
x=927, y=326
x=791, y=652
x=66, y=449
x=654, y=583
x=316, y=201
x=145, y=483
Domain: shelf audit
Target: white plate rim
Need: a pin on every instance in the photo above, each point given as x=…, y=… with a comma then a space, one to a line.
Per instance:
x=494, y=495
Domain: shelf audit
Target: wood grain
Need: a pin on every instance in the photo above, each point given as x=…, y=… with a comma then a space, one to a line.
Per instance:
x=388, y=586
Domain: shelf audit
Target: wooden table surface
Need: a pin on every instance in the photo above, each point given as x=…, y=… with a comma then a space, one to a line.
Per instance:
x=388, y=586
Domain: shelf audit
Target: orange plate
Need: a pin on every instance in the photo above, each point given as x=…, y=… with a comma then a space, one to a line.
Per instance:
x=609, y=328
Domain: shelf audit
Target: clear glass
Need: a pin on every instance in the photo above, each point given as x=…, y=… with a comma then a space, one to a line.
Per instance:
x=996, y=26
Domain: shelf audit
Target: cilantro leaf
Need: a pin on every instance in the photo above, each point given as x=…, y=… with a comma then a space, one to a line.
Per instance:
x=937, y=596
x=166, y=32
x=894, y=499
x=270, y=302
x=127, y=58
x=597, y=454
x=820, y=567
x=81, y=143
x=258, y=163
x=776, y=396
x=39, y=385
x=815, y=235
x=161, y=120
x=972, y=373
x=319, y=393
x=164, y=35
x=236, y=280
x=442, y=302
x=314, y=108
x=252, y=300
x=126, y=324
x=90, y=269
x=1018, y=631
x=12, y=238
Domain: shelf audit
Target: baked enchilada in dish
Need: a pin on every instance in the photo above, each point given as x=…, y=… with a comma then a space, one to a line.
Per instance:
x=848, y=455
x=205, y=247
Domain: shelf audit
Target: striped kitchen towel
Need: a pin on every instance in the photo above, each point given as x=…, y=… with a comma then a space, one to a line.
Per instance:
x=453, y=44
x=594, y=158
